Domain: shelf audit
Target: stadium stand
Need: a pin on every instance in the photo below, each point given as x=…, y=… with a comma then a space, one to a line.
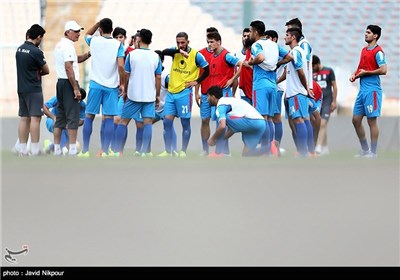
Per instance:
x=335, y=29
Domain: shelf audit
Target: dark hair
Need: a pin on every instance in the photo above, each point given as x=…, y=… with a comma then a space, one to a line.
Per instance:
x=271, y=33
x=246, y=30
x=35, y=31
x=214, y=35
x=106, y=25
x=258, y=26
x=215, y=91
x=295, y=22
x=83, y=93
x=211, y=29
x=182, y=34
x=160, y=54
x=145, y=35
x=375, y=29
x=118, y=31
x=295, y=32
x=315, y=60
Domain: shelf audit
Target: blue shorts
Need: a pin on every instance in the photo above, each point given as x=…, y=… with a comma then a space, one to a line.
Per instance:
x=106, y=97
x=264, y=101
x=313, y=106
x=137, y=110
x=120, y=105
x=368, y=103
x=50, y=125
x=159, y=116
x=251, y=129
x=278, y=102
x=206, y=110
x=179, y=104
x=298, y=106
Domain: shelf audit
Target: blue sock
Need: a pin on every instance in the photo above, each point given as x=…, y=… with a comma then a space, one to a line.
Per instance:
x=87, y=132
x=374, y=146
x=364, y=145
x=186, y=132
x=102, y=133
x=204, y=143
x=278, y=131
x=120, y=137
x=310, y=136
x=64, y=138
x=147, y=134
x=265, y=142
x=174, y=140
x=271, y=130
x=168, y=134
x=108, y=133
x=301, y=138
x=113, y=147
x=139, y=138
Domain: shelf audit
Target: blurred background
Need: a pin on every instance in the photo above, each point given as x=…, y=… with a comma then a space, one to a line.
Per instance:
x=334, y=28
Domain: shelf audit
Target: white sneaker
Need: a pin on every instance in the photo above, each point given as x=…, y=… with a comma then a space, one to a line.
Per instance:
x=362, y=153
x=324, y=151
x=318, y=149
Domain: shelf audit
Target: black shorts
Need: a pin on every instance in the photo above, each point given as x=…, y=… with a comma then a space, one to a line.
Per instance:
x=68, y=108
x=30, y=104
x=326, y=108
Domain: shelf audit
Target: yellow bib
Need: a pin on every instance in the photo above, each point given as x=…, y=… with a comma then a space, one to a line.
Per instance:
x=183, y=70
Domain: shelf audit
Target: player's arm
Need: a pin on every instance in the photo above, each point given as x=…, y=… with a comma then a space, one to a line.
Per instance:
x=71, y=78
x=218, y=132
x=334, y=96
x=121, y=67
x=44, y=70
x=283, y=77
x=197, y=95
x=285, y=60
x=47, y=112
x=235, y=76
x=303, y=78
x=173, y=51
x=221, y=113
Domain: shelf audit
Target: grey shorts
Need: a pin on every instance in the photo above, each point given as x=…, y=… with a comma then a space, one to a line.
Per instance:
x=30, y=104
x=68, y=108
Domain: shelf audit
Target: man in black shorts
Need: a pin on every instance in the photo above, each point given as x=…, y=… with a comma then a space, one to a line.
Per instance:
x=68, y=94
x=31, y=66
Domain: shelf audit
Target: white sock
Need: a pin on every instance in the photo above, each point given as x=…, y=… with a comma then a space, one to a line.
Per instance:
x=23, y=148
x=57, y=149
x=17, y=145
x=35, y=149
x=72, y=149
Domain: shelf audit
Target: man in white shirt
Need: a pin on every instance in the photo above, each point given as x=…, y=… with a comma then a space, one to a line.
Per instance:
x=68, y=93
x=107, y=69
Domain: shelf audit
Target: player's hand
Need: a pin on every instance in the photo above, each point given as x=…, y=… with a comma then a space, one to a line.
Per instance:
x=191, y=84
x=228, y=83
x=333, y=106
x=184, y=53
x=197, y=97
x=157, y=101
x=311, y=93
x=121, y=90
x=211, y=142
x=77, y=94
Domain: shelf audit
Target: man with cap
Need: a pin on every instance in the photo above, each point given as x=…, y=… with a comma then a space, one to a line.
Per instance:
x=68, y=94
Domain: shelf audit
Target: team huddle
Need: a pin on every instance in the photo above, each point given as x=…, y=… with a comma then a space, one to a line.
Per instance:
x=132, y=83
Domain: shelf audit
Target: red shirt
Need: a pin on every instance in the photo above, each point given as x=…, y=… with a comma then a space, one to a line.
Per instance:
x=220, y=71
x=205, y=84
x=246, y=78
